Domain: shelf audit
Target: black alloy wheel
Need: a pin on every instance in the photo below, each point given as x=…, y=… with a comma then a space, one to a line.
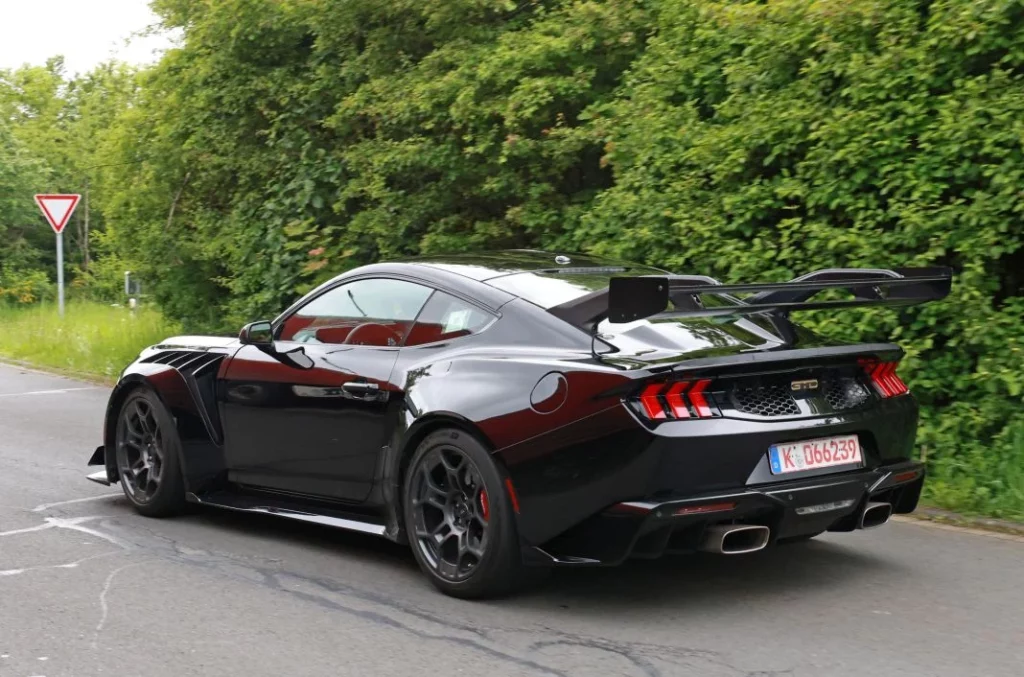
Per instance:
x=459, y=518
x=140, y=457
x=146, y=449
x=452, y=512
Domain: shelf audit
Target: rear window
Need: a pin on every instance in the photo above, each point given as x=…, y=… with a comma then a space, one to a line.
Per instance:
x=550, y=288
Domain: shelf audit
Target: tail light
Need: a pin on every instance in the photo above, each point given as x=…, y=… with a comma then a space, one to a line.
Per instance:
x=883, y=376
x=677, y=400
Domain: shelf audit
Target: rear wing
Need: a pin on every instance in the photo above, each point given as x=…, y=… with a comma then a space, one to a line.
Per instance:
x=647, y=297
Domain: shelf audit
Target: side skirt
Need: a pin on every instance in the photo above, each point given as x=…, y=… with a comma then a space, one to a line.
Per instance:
x=288, y=510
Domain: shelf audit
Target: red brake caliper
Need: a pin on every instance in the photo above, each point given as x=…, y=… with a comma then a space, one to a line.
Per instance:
x=485, y=506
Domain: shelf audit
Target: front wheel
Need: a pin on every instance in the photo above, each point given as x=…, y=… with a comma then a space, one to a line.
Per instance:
x=460, y=520
x=147, y=450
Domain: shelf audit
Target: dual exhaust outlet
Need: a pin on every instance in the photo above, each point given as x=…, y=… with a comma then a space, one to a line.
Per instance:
x=740, y=539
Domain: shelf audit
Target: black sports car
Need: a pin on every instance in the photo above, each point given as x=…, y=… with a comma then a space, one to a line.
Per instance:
x=522, y=408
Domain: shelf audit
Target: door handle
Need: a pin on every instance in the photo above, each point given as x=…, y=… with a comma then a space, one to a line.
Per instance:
x=360, y=388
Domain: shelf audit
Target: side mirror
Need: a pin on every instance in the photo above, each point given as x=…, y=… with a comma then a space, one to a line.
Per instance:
x=257, y=334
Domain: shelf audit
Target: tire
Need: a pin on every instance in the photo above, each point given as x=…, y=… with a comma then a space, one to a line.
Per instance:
x=148, y=456
x=459, y=518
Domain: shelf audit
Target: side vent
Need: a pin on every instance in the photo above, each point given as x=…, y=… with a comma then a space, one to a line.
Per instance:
x=199, y=369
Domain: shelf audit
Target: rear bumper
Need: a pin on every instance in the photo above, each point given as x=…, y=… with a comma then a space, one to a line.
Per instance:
x=648, y=529
x=565, y=478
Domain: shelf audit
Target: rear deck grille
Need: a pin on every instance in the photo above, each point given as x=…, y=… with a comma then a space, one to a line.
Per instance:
x=773, y=398
x=844, y=393
x=765, y=400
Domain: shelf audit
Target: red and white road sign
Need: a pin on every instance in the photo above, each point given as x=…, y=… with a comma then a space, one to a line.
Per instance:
x=57, y=209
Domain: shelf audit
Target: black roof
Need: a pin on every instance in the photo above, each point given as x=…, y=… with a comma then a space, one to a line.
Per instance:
x=488, y=265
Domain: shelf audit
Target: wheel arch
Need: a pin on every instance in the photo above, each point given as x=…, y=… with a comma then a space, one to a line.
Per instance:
x=169, y=387
x=125, y=387
x=406, y=448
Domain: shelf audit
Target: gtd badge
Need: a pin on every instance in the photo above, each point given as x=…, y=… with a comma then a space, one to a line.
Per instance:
x=804, y=386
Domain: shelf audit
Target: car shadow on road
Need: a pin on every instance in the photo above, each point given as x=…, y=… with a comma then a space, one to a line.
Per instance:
x=702, y=580
x=693, y=581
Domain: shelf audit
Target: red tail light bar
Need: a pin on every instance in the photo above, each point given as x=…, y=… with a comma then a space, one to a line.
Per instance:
x=678, y=400
x=883, y=376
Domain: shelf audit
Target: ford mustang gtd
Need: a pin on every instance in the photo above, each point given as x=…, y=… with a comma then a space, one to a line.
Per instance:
x=525, y=409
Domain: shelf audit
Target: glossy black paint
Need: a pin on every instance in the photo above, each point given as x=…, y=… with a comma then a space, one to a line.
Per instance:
x=328, y=429
x=265, y=400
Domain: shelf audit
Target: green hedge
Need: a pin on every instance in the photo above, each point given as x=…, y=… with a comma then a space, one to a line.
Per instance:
x=759, y=141
x=750, y=141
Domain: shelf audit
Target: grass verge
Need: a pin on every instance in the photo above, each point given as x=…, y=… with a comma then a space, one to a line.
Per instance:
x=92, y=339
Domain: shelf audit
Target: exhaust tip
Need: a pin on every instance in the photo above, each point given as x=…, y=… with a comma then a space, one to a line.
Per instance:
x=735, y=539
x=875, y=515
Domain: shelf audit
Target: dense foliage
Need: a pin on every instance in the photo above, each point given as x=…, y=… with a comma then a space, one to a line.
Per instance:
x=287, y=140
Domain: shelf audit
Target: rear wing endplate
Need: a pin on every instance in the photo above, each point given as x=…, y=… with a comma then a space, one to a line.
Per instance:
x=634, y=298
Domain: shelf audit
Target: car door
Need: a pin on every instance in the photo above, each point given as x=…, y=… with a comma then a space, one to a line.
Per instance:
x=311, y=414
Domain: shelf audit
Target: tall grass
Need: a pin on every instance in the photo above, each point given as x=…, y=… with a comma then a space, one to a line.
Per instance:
x=979, y=483
x=92, y=338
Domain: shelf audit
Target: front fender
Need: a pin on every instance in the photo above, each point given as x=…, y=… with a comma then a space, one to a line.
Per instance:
x=202, y=455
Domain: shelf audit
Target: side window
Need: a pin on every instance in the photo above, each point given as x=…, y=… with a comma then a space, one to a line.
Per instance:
x=446, y=317
x=374, y=312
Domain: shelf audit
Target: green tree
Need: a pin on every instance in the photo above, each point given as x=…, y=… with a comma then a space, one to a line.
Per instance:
x=21, y=257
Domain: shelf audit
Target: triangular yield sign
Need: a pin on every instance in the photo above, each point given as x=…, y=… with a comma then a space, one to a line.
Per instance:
x=57, y=209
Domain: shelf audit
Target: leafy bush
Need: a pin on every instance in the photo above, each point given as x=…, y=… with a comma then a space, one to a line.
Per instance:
x=18, y=286
x=759, y=141
x=746, y=140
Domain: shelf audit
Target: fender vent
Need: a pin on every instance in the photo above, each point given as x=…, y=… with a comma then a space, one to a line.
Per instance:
x=188, y=362
x=199, y=369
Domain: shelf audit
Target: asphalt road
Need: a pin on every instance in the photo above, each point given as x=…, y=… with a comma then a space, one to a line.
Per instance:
x=88, y=587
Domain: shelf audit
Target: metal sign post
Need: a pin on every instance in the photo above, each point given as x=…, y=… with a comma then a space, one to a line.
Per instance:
x=58, y=209
x=60, y=274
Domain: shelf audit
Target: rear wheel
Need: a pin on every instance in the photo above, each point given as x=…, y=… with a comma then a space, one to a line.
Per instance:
x=147, y=450
x=460, y=520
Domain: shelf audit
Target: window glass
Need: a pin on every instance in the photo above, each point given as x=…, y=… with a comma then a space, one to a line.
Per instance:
x=446, y=317
x=374, y=312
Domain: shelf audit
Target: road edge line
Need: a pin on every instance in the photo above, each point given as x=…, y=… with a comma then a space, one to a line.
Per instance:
x=931, y=522
x=44, y=370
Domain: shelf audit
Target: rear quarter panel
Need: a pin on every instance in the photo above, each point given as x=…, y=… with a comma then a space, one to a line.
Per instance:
x=552, y=418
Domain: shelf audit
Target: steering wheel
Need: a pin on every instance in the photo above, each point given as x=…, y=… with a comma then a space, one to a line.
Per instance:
x=373, y=334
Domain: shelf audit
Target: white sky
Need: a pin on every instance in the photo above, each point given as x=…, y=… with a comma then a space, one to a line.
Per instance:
x=85, y=32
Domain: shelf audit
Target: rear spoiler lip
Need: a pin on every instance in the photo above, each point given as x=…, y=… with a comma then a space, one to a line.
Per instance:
x=767, y=357
x=830, y=278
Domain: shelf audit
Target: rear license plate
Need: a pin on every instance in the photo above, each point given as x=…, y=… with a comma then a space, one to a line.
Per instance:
x=823, y=452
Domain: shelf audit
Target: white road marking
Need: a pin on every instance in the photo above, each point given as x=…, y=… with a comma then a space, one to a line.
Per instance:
x=46, y=506
x=69, y=565
x=74, y=524
x=26, y=530
x=58, y=391
x=104, y=609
